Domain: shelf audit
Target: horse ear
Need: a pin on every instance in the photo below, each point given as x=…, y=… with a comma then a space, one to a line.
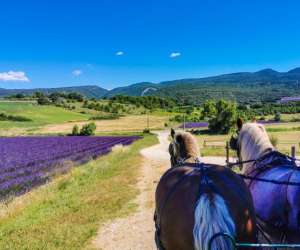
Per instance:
x=239, y=123
x=172, y=133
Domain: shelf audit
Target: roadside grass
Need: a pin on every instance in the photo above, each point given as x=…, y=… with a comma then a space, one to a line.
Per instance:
x=67, y=212
x=283, y=129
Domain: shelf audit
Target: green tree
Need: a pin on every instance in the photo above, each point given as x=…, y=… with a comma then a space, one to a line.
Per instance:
x=209, y=109
x=224, y=118
x=43, y=100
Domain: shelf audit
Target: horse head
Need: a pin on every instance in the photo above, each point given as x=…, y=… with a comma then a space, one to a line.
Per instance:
x=183, y=148
x=251, y=141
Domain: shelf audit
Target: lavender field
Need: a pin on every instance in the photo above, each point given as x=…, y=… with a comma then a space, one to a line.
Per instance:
x=26, y=162
x=194, y=125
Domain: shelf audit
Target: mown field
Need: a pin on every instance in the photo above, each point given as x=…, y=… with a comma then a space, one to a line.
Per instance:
x=130, y=123
x=66, y=213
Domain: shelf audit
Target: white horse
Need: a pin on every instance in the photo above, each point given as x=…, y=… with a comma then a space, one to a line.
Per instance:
x=276, y=205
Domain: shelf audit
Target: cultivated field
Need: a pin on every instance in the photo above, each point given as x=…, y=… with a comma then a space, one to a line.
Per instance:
x=131, y=123
x=67, y=213
x=26, y=162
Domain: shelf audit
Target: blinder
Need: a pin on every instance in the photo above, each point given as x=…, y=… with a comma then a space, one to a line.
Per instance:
x=233, y=143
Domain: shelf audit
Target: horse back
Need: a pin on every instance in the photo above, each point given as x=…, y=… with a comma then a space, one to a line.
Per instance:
x=176, y=198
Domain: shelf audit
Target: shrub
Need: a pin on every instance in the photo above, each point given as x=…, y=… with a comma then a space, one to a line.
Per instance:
x=146, y=131
x=88, y=129
x=105, y=117
x=277, y=117
x=75, y=130
x=43, y=100
x=15, y=118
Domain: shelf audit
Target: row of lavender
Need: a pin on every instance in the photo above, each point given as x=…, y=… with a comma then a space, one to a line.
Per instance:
x=29, y=161
x=190, y=125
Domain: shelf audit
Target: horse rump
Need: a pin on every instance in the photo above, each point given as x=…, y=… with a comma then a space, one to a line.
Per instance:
x=212, y=217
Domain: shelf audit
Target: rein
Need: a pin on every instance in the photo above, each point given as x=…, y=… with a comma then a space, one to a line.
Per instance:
x=289, y=183
x=259, y=170
x=260, y=159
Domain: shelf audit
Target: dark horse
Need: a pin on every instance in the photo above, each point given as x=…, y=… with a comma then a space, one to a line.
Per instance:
x=196, y=201
x=277, y=206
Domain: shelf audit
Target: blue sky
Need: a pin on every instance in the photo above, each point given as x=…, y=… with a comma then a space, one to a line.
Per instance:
x=50, y=43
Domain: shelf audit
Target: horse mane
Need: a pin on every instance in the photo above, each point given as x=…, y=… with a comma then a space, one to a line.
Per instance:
x=188, y=144
x=253, y=141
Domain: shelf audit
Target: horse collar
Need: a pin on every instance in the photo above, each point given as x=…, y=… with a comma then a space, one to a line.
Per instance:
x=183, y=162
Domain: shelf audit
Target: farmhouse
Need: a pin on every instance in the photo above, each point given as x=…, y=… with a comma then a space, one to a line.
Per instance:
x=289, y=99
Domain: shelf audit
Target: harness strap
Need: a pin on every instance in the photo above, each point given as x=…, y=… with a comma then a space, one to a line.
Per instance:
x=278, y=160
x=261, y=225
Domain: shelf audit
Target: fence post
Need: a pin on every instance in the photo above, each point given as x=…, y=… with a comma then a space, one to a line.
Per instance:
x=293, y=152
x=227, y=153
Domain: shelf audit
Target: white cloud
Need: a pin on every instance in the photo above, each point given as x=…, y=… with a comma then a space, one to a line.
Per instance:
x=14, y=76
x=77, y=72
x=120, y=53
x=175, y=54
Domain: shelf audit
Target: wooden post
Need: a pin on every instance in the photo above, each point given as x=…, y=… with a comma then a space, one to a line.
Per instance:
x=148, y=122
x=227, y=153
x=293, y=152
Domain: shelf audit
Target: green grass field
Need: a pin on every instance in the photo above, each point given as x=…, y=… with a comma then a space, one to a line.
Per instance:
x=66, y=213
x=284, y=117
x=40, y=115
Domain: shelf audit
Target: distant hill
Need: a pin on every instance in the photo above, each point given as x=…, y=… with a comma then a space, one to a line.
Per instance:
x=90, y=91
x=245, y=87
x=137, y=89
x=266, y=85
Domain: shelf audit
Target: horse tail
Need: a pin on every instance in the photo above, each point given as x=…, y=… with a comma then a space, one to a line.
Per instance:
x=212, y=217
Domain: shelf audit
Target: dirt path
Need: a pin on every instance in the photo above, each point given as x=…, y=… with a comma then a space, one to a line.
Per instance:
x=137, y=231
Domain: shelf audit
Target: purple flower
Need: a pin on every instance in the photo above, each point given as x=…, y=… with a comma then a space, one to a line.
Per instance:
x=194, y=125
x=26, y=162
